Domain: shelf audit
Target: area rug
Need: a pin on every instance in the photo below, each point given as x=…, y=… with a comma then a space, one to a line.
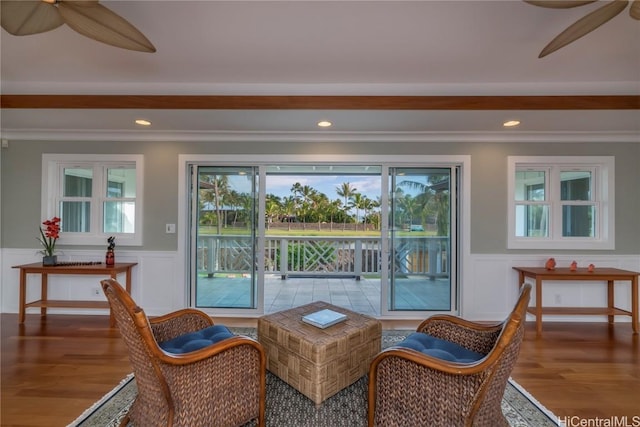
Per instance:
x=286, y=407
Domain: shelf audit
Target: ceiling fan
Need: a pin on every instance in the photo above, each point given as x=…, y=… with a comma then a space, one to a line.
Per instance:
x=88, y=17
x=587, y=23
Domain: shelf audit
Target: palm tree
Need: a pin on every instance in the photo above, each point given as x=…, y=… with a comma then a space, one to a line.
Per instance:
x=220, y=186
x=307, y=194
x=334, y=208
x=320, y=204
x=408, y=206
x=357, y=200
x=273, y=206
x=434, y=200
x=303, y=195
x=233, y=200
x=376, y=204
x=345, y=190
x=288, y=209
x=246, y=203
x=296, y=190
x=367, y=205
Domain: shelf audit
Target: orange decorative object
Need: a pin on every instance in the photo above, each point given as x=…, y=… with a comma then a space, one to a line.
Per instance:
x=573, y=266
x=550, y=264
x=591, y=268
x=110, y=257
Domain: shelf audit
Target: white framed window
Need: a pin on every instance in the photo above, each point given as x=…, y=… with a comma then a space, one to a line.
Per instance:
x=96, y=196
x=561, y=202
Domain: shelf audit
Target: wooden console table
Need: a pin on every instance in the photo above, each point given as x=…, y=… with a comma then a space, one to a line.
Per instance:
x=95, y=269
x=610, y=275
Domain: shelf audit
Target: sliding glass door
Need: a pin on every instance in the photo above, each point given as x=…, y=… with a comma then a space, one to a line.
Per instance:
x=224, y=213
x=264, y=232
x=421, y=239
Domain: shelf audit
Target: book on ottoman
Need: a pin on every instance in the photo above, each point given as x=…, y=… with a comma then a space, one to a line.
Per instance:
x=324, y=318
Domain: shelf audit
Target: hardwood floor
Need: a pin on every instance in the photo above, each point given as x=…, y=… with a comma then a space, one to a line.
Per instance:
x=53, y=369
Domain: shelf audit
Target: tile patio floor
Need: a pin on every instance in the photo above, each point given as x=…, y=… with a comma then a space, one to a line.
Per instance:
x=362, y=296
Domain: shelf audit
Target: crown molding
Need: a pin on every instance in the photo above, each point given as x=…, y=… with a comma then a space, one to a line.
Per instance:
x=319, y=137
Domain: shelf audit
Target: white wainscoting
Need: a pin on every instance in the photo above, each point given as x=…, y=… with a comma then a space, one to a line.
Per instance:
x=156, y=284
x=492, y=286
x=489, y=284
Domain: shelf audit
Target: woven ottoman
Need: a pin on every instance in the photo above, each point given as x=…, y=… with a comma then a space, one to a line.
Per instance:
x=319, y=362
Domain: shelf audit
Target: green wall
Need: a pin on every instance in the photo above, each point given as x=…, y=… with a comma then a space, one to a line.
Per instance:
x=21, y=181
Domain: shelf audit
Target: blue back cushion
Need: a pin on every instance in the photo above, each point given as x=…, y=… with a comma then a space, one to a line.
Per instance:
x=196, y=340
x=439, y=348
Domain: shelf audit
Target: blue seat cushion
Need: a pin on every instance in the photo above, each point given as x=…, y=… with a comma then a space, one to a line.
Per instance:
x=440, y=348
x=196, y=340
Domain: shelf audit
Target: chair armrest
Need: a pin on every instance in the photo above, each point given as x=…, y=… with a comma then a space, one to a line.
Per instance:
x=235, y=368
x=471, y=335
x=179, y=322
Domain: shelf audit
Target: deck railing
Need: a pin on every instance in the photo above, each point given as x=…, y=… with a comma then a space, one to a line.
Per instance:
x=323, y=256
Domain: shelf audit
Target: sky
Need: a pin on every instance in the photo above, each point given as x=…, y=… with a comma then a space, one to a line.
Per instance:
x=280, y=184
x=367, y=185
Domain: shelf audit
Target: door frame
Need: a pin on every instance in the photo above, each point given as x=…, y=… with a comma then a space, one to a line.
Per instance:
x=185, y=160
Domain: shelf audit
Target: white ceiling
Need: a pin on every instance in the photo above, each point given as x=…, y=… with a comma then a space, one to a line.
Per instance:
x=337, y=47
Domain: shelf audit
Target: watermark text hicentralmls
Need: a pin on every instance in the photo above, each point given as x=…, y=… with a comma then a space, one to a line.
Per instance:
x=613, y=421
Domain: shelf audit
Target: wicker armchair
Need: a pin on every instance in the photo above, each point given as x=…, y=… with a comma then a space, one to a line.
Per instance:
x=410, y=388
x=220, y=384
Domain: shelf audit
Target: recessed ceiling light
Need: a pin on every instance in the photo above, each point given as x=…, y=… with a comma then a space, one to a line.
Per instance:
x=511, y=123
x=324, y=124
x=143, y=122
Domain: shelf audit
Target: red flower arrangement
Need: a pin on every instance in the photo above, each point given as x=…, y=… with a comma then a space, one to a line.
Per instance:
x=49, y=235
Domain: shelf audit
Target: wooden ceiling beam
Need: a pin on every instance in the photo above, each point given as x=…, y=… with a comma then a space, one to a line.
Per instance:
x=303, y=102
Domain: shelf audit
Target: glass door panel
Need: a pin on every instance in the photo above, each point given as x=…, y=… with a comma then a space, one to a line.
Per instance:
x=420, y=235
x=225, y=235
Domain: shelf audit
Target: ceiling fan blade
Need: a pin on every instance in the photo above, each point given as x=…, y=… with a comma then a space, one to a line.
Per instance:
x=25, y=17
x=99, y=23
x=584, y=26
x=634, y=10
x=559, y=4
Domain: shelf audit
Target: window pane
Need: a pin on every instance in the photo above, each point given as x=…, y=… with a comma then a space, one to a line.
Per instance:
x=578, y=221
x=77, y=182
x=121, y=183
x=420, y=239
x=532, y=220
x=76, y=217
x=226, y=237
x=119, y=217
x=575, y=185
x=530, y=185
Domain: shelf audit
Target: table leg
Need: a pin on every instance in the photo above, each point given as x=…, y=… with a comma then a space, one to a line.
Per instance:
x=112, y=318
x=634, y=304
x=520, y=279
x=23, y=295
x=127, y=287
x=610, y=303
x=128, y=280
x=44, y=294
x=538, y=306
